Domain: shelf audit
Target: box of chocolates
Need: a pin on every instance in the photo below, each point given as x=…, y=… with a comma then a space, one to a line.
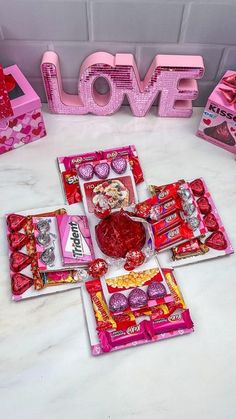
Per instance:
x=21, y=120
x=218, y=123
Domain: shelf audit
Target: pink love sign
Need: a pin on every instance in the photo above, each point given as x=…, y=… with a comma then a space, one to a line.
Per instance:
x=170, y=78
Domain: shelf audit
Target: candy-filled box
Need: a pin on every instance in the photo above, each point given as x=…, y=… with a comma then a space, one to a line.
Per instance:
x=173, y=213
x=37, y=264
x=21, y=120
x=214, y=242
x=218, y=123
x=68, y=168
x=126, y=310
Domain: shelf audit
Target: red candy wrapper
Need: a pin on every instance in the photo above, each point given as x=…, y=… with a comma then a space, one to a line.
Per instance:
x=170, y=187
x=177, y=234
x=118, y=234
x=193, y=247
x=5, y=103
x=168, y=223
x=163, y=210
x=71, y=186
x=102, y=314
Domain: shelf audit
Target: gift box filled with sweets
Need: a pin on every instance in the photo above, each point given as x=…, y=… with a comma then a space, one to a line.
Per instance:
x=21, y=120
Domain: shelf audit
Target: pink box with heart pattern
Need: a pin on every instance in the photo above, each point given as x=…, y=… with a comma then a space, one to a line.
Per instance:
x=218, y=123
x=26, y=124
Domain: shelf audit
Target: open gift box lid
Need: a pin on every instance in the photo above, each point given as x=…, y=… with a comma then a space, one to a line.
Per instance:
x=26, y=99
x=6, y=110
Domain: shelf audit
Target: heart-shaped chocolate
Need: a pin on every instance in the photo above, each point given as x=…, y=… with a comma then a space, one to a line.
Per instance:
x=102, y=170
x=85, y=171
x=20, y=283
x=17, y=240
x=137, y=298
x=204, y=205
x=211, y=222
x=15, y=221
x=197, y=187
x=19, y=261
x=119, y=165
x=216, y=241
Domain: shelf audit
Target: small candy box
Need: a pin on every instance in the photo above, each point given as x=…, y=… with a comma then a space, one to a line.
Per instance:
x=21, y=120
x=136, y=308
x=67, y=166
x=212, y=243
x=27, y=280
x=218, y=123
x=75, y=239
x=174, y=215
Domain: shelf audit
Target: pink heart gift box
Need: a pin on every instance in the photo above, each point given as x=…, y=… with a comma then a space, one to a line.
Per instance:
x=21, y=120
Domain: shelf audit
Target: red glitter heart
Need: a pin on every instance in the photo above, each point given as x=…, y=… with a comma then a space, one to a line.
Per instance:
x=204, y=205
x=216, y=241
x=15, y=221
x=206, y=121
x=17, y=240
x=20, y=283
x=210, y=222
x=19, y=261
x=197, y=187
x=36, y=131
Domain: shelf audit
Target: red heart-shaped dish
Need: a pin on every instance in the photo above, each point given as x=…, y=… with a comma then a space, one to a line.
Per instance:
x=204, y=205
x=197, y=187
x=211, y=222
x=216, y=241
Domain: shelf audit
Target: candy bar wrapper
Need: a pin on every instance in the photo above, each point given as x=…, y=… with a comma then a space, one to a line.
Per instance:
x=163, y=322
x=75, y=240
x=67, y=168
x=26, y=281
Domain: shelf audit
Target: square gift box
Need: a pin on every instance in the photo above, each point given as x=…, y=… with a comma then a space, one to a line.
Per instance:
x=218, y=123
x=21, y=119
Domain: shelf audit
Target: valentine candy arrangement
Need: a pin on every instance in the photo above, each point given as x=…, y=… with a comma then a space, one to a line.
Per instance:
x=218, y=123
x=110, y=250
x=174, y=76
x=49, y=251
x=21, y=120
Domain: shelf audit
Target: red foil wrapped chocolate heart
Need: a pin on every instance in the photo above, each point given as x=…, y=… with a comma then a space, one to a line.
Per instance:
x=19, y=261
x=20, y=283
x=118, y=234
x=217, y=241
x=204, y=205
x=15, y=222
x=17, y=240
x=197, y=187
x=211, y=222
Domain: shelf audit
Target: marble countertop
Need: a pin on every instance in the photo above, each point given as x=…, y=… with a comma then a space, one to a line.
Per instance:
x=46, y=370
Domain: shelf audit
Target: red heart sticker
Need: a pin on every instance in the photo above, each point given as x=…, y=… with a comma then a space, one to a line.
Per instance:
x=206, y=121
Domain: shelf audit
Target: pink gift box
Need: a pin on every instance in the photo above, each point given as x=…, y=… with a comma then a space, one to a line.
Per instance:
x=218, y=123
x=26, y=124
